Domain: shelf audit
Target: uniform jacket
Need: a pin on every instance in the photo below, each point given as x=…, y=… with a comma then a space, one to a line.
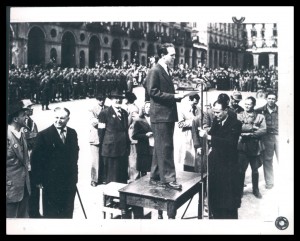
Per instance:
x=252, y=144
x=223, y=164
x=161, y=91
x=271, y=119
x=94, y=120
x=54, y=164
x=17, y=165
x=113, y=132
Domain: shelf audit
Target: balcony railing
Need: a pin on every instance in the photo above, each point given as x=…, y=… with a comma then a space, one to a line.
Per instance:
x=117, y=30
x=71, y=25
x=97, y=27
x=188, y=43
x=152, y=36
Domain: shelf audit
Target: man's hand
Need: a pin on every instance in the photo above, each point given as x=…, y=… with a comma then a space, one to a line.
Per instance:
x=179, y=96
x=149, y=134
x=199, y=151
x=203, y=133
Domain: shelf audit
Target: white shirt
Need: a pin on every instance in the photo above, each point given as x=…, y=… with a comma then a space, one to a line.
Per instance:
x=162, y=64
x=59, y=131
x=223, y=121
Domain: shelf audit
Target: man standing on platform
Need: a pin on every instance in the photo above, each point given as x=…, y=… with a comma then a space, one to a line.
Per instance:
x=163, y=115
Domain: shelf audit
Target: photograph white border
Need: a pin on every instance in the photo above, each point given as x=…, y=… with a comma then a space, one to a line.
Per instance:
x=284, y=17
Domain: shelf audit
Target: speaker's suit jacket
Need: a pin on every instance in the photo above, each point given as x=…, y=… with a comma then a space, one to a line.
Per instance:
x=17, y=164
x=54, y=164
x=161, y=90
x=163, y=115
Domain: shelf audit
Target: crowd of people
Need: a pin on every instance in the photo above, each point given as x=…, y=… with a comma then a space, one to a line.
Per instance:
x=52, y=83
x=127, y=142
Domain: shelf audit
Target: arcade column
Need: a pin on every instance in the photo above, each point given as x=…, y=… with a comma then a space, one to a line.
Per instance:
x=255, y=60
x=271, y=60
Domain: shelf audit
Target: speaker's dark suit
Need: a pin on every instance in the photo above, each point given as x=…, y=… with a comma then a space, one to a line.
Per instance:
x=163, y=115
x=54, y=165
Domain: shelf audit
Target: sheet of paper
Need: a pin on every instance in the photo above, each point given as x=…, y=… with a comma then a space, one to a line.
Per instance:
x=151, y=141
x=191, y=93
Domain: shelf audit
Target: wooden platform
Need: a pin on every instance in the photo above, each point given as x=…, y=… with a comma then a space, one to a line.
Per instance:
x=141, y=193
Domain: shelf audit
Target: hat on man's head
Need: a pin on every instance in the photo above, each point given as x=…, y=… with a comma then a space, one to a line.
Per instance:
x=131, y=97
x=117, y=93
x=100, y=97
x=236, y=95
x=27, y=103
x=16, y=107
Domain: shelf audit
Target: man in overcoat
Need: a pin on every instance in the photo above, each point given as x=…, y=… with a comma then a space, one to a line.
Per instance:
x=54, y=166
x=114, y=139
x=223, y=169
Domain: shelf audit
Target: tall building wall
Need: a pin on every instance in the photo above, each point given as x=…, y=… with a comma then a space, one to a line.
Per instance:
x=87, y=43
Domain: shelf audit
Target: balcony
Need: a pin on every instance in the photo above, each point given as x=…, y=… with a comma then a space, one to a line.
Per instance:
x=152, y=36
x=117, y=30
x=166, y=39
x=97, y=27
x=188, y=43
x=71, y=25
x=178, y=41
x=137, y=33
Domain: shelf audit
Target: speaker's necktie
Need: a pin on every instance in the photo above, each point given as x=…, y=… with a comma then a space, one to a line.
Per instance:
x=169, y=71
x=194, y=110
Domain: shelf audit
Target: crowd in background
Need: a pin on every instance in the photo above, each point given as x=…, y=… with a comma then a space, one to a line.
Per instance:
x=53, y=83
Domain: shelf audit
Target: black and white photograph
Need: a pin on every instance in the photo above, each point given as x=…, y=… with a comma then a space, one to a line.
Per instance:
x=150, y=120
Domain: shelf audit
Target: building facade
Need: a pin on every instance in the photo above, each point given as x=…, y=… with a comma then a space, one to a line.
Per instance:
x=261, y=45
x=83, y=44
x=242, y=45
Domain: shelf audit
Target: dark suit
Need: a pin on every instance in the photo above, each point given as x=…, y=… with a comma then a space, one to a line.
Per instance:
x=223, y=169
x=163, y=115
x=115, y=144
x=144, y=151
x=54, y=165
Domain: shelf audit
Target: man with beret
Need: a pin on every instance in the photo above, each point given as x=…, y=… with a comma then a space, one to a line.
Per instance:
x=235, y=99
x=17, y=164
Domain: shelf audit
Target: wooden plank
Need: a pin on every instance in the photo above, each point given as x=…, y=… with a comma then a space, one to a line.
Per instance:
x=144, y=188
x=135, y=200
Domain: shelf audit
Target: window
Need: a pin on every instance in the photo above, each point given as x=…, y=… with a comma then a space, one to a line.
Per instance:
x=53, y=33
